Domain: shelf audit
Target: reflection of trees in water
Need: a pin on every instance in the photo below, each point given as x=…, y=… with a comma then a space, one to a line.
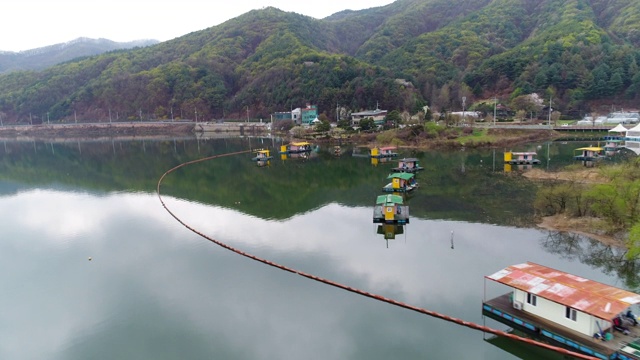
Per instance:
x=610, y=259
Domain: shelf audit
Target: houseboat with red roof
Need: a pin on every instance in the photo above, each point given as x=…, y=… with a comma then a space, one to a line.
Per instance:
x=409, y=165
x=384, y=152
x=521, y=158
x=570, y=311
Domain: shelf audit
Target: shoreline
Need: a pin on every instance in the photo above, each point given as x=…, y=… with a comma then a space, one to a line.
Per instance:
x=47, y=131
x=562, y=223
x=159, y=130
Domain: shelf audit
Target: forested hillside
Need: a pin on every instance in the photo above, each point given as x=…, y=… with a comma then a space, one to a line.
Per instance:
x=581, y=53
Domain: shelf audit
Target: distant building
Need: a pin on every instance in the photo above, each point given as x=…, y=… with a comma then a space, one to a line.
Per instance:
x=300, y=116
x=308, y=114
x=282, y=116
x=377, y=115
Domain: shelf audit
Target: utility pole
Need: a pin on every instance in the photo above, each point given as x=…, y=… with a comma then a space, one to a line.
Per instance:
x=196, y=111
x=464, y=100
x=48, y=118
x=247, y=113
x=549, y=112
x=495, y=103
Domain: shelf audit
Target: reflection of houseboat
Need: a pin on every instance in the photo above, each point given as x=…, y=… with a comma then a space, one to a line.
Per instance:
x=590, y=153
x=410, y=165
x=524, y=157
x=384, y=152
x=262, y=155
x=389, y=209
x=295, y=148
x=401, y=182
x=376, y=161
x=520, y=167
x=579, y=314
x=522, y=350
x=390, y=230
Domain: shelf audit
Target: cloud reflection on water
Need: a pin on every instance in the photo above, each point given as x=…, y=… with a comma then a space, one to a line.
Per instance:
x=156, y=290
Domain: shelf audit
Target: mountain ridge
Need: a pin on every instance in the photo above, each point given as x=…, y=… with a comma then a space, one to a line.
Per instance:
x=49, y=55
x=578, y=52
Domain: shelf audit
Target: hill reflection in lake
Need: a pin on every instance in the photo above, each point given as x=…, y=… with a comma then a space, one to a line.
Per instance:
x=154, y=290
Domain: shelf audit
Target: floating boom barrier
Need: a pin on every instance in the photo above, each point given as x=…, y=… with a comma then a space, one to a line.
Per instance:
x=431, y=313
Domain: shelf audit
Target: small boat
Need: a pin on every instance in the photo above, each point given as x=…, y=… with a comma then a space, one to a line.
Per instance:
x=409, y=165
x=401, y=182
x=521, y=158
x=383, y=152
x=578, y=314
x=295, y=148
x=390, y=209
x=589, y=153
x=262, y=155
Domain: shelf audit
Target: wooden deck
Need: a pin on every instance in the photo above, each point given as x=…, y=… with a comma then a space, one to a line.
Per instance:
x=620, y=340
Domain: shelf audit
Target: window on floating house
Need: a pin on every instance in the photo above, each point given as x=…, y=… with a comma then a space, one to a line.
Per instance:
x=570, y=313
x=532, y=299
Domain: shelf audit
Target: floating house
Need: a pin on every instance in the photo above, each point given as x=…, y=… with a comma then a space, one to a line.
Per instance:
x=590, y=153
x=262, y=155
x=296, y=155
x=390, y=209
x=295, y=148
x=525, y=157
x=409, y=165
x=384, y=152
x=579, y=314
x=612, y=145
x=401, y=183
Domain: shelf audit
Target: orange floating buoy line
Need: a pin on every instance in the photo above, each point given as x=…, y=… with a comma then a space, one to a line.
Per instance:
x=351, y=289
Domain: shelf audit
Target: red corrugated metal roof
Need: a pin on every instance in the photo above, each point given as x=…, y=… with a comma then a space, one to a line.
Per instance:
x=591, y=297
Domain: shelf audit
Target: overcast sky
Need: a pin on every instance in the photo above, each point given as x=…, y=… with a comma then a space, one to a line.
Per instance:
x=29, y=24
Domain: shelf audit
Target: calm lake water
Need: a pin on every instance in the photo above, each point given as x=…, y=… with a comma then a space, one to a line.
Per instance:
x=155, y=290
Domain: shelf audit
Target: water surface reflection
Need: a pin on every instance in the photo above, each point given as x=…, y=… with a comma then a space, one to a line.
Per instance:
x=154, y=290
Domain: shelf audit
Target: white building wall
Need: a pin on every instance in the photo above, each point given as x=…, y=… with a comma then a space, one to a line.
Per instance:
x=555, y=312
